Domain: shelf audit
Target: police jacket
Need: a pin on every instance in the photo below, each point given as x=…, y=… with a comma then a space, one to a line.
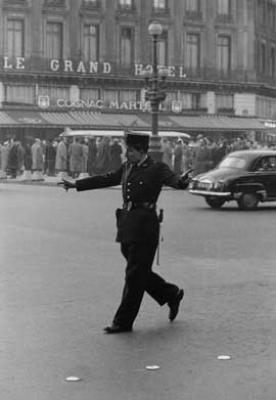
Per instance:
x=141, y=185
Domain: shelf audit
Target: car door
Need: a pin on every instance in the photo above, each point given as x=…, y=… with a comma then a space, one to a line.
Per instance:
x=266, y=174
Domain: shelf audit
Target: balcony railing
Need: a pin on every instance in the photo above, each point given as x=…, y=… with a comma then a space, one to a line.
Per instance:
x=160, y=11
x=91, y=4
x=14, y=3
x=54, y=3
x=193, y=15
x=126, y=8
x=224, y=19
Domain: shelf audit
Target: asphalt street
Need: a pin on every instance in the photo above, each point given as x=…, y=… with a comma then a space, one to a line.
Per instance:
x=61, y=281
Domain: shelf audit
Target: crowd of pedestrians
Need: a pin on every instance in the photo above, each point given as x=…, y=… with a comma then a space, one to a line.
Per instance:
x=74, y=157
x=77, y=156
x=202, y=153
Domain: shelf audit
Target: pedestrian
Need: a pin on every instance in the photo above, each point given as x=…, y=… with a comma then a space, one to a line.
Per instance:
x=50, y=157
x=187, y=156
x=115, y=154
x=37, y=155
x=13, y=159
x=85, y=151
x=61, y=156
x=92, y=155
x=20, y=157
x=37, y=160
x=5, y=149
x=75, y=153
x=103, y=156
x=138, y=228
x=28, y=160
x=178, y=157
x=168, y=150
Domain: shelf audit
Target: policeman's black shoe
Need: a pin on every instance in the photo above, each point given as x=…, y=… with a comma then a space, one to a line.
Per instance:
x=117, y=329
x=174, y=304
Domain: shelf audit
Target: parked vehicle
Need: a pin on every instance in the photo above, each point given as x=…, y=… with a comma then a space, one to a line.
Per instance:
x=247, y=176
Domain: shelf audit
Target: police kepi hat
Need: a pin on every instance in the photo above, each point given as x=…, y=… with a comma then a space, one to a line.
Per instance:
x=137, y=140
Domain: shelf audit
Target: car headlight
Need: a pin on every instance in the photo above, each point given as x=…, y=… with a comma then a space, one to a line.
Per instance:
x=218, y=185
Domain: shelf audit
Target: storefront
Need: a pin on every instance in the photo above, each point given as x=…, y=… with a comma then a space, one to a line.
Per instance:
x=28, y=124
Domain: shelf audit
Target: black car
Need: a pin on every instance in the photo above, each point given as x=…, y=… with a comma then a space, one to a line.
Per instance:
x=247, y=176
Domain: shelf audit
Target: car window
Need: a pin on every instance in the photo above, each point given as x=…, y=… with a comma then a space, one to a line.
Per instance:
x=267, y=164
x=233, y=162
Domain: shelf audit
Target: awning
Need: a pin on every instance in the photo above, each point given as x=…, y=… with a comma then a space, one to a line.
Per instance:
x=218, y=123
x=120, y=121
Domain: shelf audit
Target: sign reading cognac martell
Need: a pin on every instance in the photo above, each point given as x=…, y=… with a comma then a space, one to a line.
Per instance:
x=84, y=67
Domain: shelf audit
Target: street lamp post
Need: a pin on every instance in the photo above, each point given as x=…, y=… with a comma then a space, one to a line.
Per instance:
x=155, y=92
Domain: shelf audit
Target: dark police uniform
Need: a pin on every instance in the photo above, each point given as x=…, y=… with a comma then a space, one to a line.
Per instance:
x=138, y=231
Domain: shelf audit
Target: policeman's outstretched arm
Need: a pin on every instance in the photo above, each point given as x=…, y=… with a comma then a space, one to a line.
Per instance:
x=67, y=184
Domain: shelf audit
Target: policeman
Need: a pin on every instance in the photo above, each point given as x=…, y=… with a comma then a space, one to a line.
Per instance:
x=138, y=228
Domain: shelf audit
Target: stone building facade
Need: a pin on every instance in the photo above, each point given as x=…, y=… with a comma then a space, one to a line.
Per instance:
x=91, y=55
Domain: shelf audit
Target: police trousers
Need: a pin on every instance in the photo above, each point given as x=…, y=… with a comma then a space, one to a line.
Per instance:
x=139, y=279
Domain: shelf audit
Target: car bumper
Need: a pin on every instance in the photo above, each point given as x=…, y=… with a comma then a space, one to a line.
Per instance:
x=210, y=193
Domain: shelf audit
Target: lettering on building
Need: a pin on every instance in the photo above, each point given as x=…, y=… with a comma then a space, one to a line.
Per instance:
x=85, y=67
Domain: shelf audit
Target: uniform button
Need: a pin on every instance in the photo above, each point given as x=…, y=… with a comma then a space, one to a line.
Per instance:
x=141, y=183
x=129, y=183
x=128, y=190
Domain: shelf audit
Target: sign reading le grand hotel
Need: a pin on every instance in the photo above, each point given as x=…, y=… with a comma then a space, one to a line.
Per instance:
x=86, y=67
x=92, y=68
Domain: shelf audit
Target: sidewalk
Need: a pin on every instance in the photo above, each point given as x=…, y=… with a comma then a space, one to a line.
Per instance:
x=47, y=181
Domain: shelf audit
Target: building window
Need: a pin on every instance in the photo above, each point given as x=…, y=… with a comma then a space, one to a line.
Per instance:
x=110, y=96
x=54, y=40
x=193, y=51
x=195, y=101
x=193, y=6
x=273, y=62
x=192, y=101
x=126, y=47
x=128, y=96
x=224, y=102
x=273, y=17
x=261, y=12
x=91, y=3
x=160, y=4
x=224, y=7
x=263, y=58
x=162, y=49
x=224, y=53
x=19, y=94
x=15, y=38
x=265, y=107
x=14, y=2
x=91, y=42
x=126, y=4
x=88, y=94
x=54, y=3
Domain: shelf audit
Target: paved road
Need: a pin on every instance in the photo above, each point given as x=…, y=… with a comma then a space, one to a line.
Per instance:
x=61, y=279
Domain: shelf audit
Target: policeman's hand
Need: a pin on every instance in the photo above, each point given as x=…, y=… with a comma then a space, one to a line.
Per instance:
x=186, y=175
x=185, y=178
x=66, y=184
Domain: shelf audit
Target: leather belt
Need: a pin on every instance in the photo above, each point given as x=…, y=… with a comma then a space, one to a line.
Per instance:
x=130, y=205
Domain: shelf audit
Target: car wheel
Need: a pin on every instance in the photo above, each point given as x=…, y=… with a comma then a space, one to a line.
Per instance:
x=248, y=201
x=214, y=202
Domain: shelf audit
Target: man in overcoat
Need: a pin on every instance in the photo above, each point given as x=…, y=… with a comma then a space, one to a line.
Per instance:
x=138, y=228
